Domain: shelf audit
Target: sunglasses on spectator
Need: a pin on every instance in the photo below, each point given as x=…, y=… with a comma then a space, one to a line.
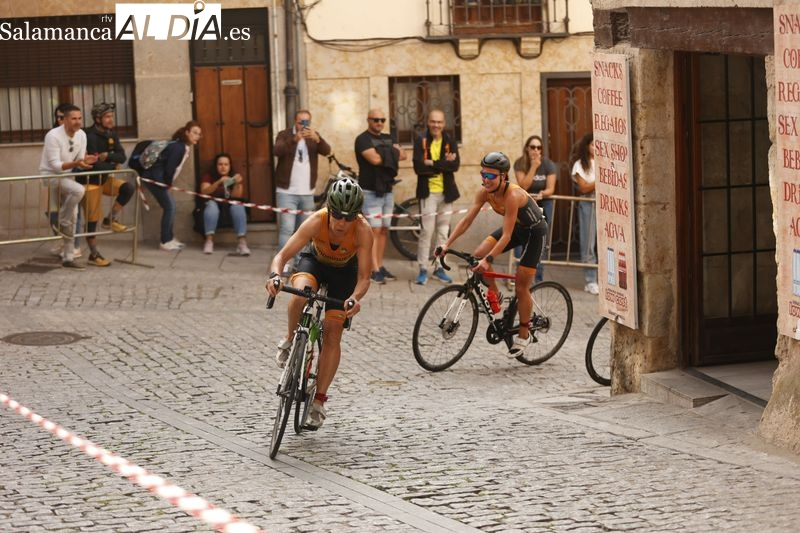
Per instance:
x=339, y=216
x=489, y=176
x=71, y=145
x=534, y=147
x=378, y=119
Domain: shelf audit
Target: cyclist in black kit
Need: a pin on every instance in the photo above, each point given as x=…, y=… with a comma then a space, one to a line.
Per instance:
x=523, y=225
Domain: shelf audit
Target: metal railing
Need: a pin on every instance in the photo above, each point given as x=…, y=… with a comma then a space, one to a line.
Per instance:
x=27, y=202
x=547, y=256
x=482, y=18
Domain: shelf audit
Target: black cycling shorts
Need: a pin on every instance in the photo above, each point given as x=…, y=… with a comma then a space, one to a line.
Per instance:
x=531, y=239
x=341, y=281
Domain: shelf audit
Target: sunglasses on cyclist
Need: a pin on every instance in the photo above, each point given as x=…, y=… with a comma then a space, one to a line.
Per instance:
x=339, y=216
x=489, y=176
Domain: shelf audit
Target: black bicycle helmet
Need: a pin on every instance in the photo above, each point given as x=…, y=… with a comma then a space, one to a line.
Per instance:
x=345, y=196
x=101, y=109
x=497, y=161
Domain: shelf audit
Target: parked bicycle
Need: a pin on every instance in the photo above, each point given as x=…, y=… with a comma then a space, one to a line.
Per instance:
x=598, y=353
x=406, y=222
x=447, y=323
x=298, y=382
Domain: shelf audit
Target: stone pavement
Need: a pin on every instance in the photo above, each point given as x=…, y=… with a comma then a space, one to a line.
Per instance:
x=174, y=371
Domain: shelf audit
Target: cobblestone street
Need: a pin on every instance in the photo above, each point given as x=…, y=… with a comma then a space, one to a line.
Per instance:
x=174, y=371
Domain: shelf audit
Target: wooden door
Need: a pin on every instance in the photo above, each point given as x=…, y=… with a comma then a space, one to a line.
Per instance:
x=568, y=112
x=727, y=261
x=232, y=106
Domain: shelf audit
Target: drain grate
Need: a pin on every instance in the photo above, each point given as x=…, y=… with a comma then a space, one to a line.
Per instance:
x=42, y=338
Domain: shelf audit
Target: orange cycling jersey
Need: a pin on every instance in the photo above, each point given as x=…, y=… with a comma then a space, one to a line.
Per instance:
x=340, y=254
x=527, y=216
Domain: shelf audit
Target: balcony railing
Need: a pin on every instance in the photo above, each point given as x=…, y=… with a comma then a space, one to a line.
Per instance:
x=485, y=18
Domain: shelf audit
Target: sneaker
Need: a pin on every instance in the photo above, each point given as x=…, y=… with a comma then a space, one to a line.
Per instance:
x=519, y=346
x=59, y=251
x=592, y=288
x=72, y=265
x=283, y=353
x=172, y=246
x=422, y=277
x=208, y=247
x=388, y=276
x=242, y=249
x=114, y=225
x=77, y=253
x=378, y=277
x=58, y=248
x=442, y=276
x=316, y=416
x=98, y=260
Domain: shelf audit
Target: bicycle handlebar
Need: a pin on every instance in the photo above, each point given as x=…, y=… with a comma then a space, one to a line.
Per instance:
x=309, y=294
x=469, y=258
x=332, y=159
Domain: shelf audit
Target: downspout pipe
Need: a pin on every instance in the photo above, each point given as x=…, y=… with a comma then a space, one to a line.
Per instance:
x=290, y=91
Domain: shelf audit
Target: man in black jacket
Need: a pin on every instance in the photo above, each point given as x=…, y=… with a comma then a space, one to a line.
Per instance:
x=101, y=139
x=435, y=161
x=378, y=156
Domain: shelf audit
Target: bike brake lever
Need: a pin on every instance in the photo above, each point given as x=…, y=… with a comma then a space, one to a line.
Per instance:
x=438, y=254
x=271, y=299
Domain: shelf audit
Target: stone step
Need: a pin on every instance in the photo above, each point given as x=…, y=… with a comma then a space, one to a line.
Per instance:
x=258, y=234
x=676, y=387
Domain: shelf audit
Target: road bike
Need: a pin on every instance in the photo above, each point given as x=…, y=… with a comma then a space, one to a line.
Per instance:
x=406, y=222
x=447, y=323
x=598, y=353
x=298, y=382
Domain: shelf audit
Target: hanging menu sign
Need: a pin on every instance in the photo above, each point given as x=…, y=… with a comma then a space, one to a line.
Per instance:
x=616, y=237
x=787, y=164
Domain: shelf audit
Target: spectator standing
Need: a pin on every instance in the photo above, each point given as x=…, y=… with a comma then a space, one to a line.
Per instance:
x=583, y=177
x=164, y=171
x=537, y=175
x=222, y=181
x=297, y=149
x=378, y=158
x=65, y=151
x=435, y=159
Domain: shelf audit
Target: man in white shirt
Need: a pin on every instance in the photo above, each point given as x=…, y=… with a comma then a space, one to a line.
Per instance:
x=65, y=150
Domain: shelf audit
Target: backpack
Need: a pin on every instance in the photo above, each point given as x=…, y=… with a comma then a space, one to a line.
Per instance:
x=145, y=154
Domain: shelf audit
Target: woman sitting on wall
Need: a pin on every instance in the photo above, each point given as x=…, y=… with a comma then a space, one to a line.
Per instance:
x=223, y=182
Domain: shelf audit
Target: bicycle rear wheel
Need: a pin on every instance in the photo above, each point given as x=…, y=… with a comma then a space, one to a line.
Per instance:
x=405, y=230
x=598, y=353
x=307, y=389
x=287, y=388
x=550, y=323
x=445, y=328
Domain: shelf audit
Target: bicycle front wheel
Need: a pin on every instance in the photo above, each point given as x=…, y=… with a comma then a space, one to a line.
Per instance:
x=405, y=230
x=287, y=388
x=598, y=353
x=445, y=328
x=307, y=387
x=550, y=323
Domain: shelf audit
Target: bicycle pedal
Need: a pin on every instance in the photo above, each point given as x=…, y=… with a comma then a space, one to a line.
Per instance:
x=309, y=428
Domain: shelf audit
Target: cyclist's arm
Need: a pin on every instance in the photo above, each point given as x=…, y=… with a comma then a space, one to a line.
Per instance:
x=364, y=239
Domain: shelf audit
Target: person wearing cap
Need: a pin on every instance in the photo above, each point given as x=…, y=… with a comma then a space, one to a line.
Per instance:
x=103, y=140
x=523, y=225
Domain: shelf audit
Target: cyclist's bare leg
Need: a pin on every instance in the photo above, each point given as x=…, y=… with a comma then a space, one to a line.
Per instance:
x=300, y=280
x=331, y=350
x=378, y=246
x=484, y=248
x=524, y=280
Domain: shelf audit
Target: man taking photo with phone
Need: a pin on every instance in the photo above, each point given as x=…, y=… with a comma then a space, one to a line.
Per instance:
x=297, y=149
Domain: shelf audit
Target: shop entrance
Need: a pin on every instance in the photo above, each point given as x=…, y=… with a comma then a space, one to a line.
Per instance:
x=729, y=296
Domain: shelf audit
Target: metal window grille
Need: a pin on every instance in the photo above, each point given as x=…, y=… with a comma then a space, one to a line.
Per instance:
x=411, y=98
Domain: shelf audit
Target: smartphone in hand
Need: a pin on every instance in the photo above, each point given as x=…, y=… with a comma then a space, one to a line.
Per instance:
x=230, y=182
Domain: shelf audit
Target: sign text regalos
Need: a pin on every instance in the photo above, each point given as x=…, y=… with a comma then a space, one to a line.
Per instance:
x=616, y=231
x=193, y=21
x=787, y=165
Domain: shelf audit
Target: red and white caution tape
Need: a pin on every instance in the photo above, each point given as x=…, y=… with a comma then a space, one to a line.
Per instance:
x=284, y=209
x=193, y=505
